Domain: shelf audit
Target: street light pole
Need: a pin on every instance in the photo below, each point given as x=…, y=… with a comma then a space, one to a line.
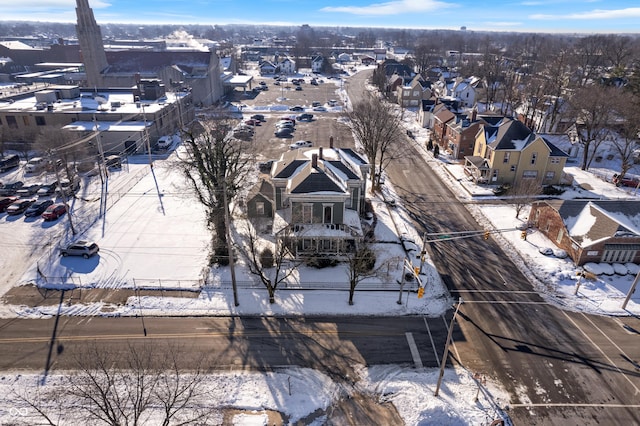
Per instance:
x=446, y=347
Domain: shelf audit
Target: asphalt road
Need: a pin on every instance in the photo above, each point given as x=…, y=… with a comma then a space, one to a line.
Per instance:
x=560, y=367
x=331, y=345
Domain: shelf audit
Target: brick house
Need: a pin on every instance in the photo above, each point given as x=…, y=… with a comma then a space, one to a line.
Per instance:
x=606, y=231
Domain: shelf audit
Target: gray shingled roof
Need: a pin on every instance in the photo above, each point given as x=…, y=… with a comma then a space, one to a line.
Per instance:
x=317, y=182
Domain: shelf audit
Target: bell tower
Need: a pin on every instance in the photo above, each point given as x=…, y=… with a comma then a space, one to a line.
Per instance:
x=91, y=46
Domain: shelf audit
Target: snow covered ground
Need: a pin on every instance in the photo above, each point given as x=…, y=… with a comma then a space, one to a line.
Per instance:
x=154, y=236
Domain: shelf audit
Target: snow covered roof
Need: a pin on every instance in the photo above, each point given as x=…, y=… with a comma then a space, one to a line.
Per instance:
x=591, y=221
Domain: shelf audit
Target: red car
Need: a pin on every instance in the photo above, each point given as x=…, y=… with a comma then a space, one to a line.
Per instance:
x=626, y=181
x=6, y=202
x=54, y=211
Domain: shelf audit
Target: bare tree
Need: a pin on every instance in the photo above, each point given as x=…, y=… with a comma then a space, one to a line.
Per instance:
x=378, y=130
x=58, y=144
x=626, y=141
x=126, y=389
x=593, y=108
x=266, y=259
x=361, y=265
x=213, y=163
x=523, y=193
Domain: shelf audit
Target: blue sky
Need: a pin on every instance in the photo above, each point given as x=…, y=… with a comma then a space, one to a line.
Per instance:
x=566, y=16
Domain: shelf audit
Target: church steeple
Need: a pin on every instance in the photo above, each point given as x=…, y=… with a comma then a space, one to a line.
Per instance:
x=91, y=46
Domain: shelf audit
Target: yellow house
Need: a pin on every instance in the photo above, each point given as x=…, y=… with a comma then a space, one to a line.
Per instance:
x=509, y=152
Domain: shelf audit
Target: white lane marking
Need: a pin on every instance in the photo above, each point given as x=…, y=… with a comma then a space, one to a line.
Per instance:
x=414, y=350
x=601, y=351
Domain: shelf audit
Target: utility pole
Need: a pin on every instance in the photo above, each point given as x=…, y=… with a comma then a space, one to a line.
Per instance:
x=227, y=226
x=446, y=347
x=62, y=191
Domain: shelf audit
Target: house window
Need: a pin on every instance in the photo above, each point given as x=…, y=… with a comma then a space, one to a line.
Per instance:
x=530, y=174
x=327, y=214
x=40, y=121
x=549, y=175
x=494, y=175
x=307, y=213
x=260, y=208
x=406, y=93
x=534, y=158
x=416, y=93
x=555, y=160
x=12, y=122
x=512, y=168
x=560, y=235
x=507, y=155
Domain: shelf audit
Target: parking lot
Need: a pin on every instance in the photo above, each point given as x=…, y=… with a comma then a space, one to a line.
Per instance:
x=276, y=102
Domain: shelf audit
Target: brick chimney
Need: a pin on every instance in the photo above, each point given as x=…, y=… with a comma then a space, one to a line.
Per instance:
x=320, y=153
x=314, y=161
x=331, y=142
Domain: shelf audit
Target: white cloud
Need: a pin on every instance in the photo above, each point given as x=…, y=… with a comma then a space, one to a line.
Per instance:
x=631, y=12
x=391, y=8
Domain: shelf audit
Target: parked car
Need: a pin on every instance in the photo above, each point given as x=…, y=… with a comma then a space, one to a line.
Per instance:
x=28, y=190
x=252, y=122
x=35, y=165
x=19, y=206
x=9, y=162
x=319, y=109
x=37, y=208
x=296, y=108
x=315, y=104
x=113, y=161
x=258, y=117
x=82, y=248
x=54, y=211
x=285, y=123
x=298, y=88
x=47, y=189
x=283, y=132
x=628, y=181
x=6, y=202
x=164, y=142
x=305, y=117
x=332, y=102
x=300, y=144
x=11, y=188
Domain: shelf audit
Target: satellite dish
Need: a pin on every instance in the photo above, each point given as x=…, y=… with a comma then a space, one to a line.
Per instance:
x=100, y=100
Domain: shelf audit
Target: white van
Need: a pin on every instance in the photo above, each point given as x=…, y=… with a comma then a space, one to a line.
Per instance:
x=165, y=142
x=35, y=165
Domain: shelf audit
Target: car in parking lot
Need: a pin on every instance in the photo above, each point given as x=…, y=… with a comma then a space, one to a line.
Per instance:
x=305, y=117
x=332, y=102
x=19, y=206
x=296, y=108
x=11, y=188
x=258, y=117
x=300, y=144
x=298, y=88
x=82, y=248
x=285, y=123
x=319, y=108
x=54, y=211
x=315, y=104
x=283, y=132
x=28, y=190
x=252, y=122
x=6, y=202
x=47, y=189
x=37, y=208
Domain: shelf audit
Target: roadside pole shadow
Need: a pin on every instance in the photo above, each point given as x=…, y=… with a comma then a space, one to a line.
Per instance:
x=52, y=342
